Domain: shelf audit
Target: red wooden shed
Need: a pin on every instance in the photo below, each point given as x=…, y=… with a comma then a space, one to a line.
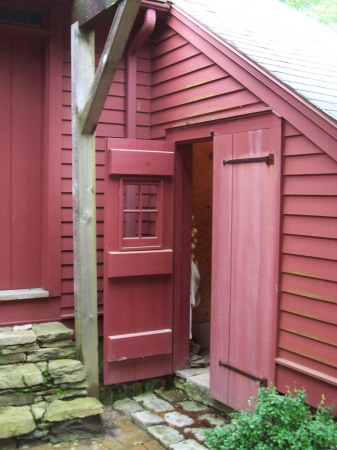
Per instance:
x=226, y=112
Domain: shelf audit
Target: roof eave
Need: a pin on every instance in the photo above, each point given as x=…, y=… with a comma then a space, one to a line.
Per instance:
x=306, y=117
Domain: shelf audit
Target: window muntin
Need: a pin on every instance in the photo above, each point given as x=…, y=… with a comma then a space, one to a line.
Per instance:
x=141, y=213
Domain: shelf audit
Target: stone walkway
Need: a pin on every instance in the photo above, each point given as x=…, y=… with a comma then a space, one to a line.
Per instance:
x=150, y=421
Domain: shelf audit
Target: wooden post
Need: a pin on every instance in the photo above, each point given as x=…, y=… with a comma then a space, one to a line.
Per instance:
x=84, y=208
x=89, y=91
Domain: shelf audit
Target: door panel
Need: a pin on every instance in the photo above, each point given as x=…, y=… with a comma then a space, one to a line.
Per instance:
x=21, y=110
x=138, y=283
x=245, y=263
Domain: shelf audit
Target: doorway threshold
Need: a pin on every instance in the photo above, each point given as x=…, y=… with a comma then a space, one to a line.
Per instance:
x=196, y=383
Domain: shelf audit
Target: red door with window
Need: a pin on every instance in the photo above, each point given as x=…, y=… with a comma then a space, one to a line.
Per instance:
x=138, y=281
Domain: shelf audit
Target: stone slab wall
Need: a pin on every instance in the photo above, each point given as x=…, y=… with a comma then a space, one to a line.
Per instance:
x=41, y=384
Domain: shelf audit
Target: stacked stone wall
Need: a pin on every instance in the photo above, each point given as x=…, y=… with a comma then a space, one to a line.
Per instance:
x=42, y=386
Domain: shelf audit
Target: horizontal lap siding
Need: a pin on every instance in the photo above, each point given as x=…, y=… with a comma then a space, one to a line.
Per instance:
x=112, y=124
x=308, y=304
x=187, y=87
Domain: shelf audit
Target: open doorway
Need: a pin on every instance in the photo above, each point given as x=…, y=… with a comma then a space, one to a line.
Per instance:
x=201, y=249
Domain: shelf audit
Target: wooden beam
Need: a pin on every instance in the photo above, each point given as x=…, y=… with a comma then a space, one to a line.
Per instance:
x=88, y=12
x=114, y=48
x=84, y=208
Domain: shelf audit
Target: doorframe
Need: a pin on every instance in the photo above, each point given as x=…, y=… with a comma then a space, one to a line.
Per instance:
x=51, y=145
x=184, y=137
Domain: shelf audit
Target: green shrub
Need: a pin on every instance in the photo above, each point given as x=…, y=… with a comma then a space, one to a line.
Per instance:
x=277, y=422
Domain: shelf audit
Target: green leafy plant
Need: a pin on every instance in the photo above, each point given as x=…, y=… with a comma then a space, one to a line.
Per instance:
x=277, y=422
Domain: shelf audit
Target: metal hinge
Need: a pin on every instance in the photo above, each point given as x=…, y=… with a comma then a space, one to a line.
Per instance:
x=269, y=160
x=263, y=381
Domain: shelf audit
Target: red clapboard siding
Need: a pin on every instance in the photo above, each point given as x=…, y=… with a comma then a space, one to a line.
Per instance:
x=308, y=301
x=176, y=54
x=289, y=130
x=180, y=68
x=309, y=287
x=311, y=185
x=300, y=145
x=187, y=87
x=204, y=106
x=311, y=349
x=311, y=226
x=308, y=307
x=200, y=77
x=315, y=385
x=196, y=93
x=309, y=328
x=112, y=124
x=310, y=206
x=315, y=365
x=165, y=46
x=310, y=246
x=310, y=165
x=310, y=267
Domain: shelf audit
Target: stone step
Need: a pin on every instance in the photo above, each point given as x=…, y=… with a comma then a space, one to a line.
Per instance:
x=61, y=410
x=16, y=420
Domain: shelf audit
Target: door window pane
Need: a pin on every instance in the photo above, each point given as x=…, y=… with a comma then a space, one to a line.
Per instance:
x=149, y=196
x=131, y=220
x=149, y=224
x=140, y=211
x=131, y=196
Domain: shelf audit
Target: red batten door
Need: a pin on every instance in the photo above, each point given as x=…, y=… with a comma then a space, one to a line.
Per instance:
x=245, y=259
x=138, y=279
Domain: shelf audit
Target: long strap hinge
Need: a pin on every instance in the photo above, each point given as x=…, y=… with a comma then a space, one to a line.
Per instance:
x=269, y=160
x=263, y=381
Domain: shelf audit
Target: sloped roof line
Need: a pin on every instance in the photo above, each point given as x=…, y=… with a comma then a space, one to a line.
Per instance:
x=273, y=35
x=274, y=92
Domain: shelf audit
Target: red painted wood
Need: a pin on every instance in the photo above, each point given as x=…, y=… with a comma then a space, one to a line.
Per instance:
x=310, y=165
x=299, y=145
x=194, y=93
x=137, y=299
x=138, y=369
x=23, y=140
x=315, y=350
x=180, y=68
x=182, y=255
x=165, y=46
x=306, y=307
x=142, y=162
x=310, y=267
x=5, y=166
x=139, y=345
x=200, y=77
x=29, y=311
x=289, y=130
x=310, y=246
x=287, y=378
x=311, y=226
x=139, y=263
x=315, y=365
x=309, y=287
x=310, y=328
x=247, y=212
x=201, y=106
x=176, y=54
x=310, y=206
x=311, y=185
x=221, y=273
